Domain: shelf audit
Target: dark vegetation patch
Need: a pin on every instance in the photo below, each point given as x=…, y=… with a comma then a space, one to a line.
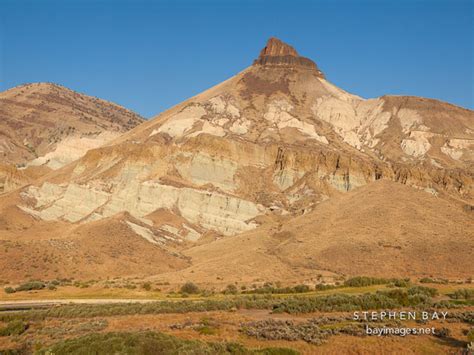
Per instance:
x=14, y=327
x=314, y=331
x=143, y=343
x=364, y=281
x=269, y=288
x=39, y=285
x=464, y=293
x=190, y=288
x=390, y=299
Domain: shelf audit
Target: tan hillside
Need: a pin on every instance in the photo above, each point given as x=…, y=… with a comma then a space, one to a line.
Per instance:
x=383, y=229
x=49, y=125
x=111, y=247
x=278, y=144
x=12, y=177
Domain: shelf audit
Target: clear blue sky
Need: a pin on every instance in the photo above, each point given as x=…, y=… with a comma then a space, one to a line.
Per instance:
x=150, y=55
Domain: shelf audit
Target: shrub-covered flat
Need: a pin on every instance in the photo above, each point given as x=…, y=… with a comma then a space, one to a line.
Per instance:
x=192, y=319
x=150, y=343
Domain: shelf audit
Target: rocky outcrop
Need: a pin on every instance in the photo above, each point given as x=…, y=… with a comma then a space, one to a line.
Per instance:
x=278, y=53
x=276, y=48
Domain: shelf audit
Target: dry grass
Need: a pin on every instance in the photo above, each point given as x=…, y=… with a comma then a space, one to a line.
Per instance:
x=228, y=325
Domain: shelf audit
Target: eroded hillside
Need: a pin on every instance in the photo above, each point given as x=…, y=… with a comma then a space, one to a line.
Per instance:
x=46, y=125
x=269, y=146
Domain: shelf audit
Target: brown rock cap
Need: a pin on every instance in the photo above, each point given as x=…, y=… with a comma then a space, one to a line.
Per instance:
x=276, y=47
x=280, y=54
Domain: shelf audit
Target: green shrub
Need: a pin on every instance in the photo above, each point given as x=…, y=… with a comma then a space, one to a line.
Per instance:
x=147, y=286
x=428, y=291
x=269, y=288
x=13, y=351
x=324, y=287
x=15, y=327
x=189, y=288
x=32, y=285
x=401, y=282
x=310, y=331
x=389, y=299
x=464, y=293
x=301, y=288
x=361, y=281
x=149, y=343
x=9, y=290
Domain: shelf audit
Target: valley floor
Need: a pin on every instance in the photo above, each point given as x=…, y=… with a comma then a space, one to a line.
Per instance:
x=77, y=320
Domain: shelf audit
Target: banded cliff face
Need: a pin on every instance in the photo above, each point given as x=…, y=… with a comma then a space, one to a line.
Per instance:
x=278, y=53
x=44, y=126
x=267, y=145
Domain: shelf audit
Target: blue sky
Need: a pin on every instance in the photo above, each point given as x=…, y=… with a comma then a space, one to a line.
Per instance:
x=150, y=55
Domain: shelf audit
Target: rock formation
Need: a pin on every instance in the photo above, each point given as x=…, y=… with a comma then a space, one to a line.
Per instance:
x=278, y=53
x=263, y=149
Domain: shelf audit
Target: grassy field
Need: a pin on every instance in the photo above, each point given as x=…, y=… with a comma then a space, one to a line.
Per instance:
x=236, y=322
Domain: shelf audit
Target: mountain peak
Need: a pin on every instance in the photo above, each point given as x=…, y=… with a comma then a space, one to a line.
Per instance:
x=276, y=47
x=280, y=54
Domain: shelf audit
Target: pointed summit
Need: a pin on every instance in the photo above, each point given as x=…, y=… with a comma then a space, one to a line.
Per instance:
x=276, y=47
x=280, y=54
